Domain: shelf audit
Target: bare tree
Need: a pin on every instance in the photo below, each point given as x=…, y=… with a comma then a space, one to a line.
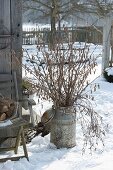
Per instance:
x=55, y=10
x=68, y=7
x=60, y=10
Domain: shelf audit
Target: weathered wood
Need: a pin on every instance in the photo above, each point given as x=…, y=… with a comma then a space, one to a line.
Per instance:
x=11, y=31
x=8, y=86
x=16, y=44
x=12, y=130
x=106, y=42
x=16, y=128
x=5, y=61
x=5, y=57
x=15, y=148
x=11, y=158
x=24, y=144
x=18, y=125
x=5, y=77
x=4, y=85
x=111, y=60
x=5, y=13
x=10, y=53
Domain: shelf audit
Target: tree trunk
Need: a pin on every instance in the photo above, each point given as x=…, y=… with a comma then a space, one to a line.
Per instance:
x=53, y=27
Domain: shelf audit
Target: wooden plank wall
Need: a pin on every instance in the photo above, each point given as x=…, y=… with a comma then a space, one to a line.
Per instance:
x=5, y=59
x=16, y=43
x=11, y=33
x=11, y=30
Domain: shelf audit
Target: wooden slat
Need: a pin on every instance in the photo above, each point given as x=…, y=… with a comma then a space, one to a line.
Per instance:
x=17, y=122
x=8, y=93
x=7, y=149
x=11, y=20
x=2, y=36
x=16, y=43
x=11, y=158
x=6, y=85
x=5, y=77
x=5, y=61
x=8, y=131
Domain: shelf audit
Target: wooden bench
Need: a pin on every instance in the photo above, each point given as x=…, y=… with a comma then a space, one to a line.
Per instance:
x=13, y=127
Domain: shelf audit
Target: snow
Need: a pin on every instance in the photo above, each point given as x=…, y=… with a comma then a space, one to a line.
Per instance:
x=43, y=155
x=31, y=26
x=109, y=71
x=5, y=123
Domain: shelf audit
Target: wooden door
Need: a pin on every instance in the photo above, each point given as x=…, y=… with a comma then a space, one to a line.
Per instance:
x=5, y=58
x=11, y=38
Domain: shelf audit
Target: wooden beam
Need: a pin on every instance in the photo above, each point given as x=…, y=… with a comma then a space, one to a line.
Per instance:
x=106, y=42
x=11, y=158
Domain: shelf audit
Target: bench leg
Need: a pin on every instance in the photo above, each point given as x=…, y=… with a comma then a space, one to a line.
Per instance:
x=18, y=140
x=24, y=144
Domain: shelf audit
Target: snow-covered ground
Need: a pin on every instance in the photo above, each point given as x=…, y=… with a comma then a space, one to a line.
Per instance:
x=44, y=156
